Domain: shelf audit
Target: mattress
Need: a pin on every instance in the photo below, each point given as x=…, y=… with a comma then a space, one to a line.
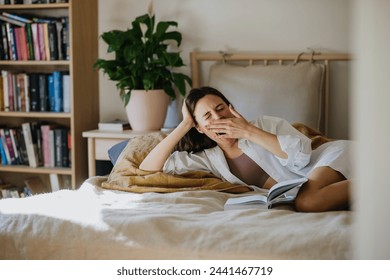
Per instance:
x=96, y=223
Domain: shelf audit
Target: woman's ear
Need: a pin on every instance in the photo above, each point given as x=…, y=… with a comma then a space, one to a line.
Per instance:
x=199, y=129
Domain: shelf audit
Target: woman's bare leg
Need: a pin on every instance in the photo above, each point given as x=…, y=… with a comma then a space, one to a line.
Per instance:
x=326, y=190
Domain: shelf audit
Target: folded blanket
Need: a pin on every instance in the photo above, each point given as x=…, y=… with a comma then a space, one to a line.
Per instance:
x=126, y=175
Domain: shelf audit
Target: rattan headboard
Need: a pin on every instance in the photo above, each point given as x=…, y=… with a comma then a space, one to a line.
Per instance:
x=268, y=59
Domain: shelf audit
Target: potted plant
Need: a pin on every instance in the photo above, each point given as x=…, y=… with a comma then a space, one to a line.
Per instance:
x=143, y=69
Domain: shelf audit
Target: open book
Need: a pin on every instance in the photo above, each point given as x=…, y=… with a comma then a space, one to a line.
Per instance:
x=281, y=193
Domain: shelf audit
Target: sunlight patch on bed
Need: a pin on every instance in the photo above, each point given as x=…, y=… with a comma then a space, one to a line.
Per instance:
x=81, y=206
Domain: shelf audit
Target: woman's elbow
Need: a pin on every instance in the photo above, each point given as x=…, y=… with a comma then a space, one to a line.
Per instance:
x=145, y=166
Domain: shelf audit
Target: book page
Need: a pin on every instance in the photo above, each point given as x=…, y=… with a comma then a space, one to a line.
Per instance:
x=243, y=202
x=284, y=186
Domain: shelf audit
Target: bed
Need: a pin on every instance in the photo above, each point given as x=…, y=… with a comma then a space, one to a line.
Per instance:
x=112, y=217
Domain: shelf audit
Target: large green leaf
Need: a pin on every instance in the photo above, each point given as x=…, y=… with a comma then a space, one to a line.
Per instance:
x=179, y=80
x=169, y=90
x=162, y=27
x=172, y=58
x=173, y=35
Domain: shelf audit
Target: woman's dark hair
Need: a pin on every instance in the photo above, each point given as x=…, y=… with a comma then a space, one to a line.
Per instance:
x=194, y=141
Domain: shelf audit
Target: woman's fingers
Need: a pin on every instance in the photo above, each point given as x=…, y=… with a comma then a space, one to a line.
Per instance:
x=229, y=128
x=234, y=112
x=219, y=127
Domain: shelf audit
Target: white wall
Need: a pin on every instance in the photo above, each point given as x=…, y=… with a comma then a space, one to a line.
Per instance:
x=371, y=128
x=244, y=25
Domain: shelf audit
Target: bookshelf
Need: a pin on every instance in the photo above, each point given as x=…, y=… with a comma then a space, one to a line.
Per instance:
x=83, y=84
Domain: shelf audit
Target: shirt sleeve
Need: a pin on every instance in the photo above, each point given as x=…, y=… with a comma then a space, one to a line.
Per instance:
x=181, y=162
x=296, y=145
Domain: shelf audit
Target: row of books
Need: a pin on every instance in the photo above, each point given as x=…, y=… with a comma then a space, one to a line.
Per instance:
x=35, y=185
x=29, y=2
x=28, y=37
x=35, y=92
x=10, y=191
x=36, y=144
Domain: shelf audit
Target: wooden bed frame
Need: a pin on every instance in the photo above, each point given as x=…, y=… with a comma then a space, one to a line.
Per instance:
x=270, y=59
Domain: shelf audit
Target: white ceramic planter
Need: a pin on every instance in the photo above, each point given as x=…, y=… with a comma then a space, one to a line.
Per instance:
x=147, y=110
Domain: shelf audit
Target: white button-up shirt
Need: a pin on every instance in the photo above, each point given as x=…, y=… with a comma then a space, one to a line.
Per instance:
x=296, y=145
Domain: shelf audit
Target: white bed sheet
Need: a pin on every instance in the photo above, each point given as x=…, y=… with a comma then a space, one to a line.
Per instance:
x=94, y=223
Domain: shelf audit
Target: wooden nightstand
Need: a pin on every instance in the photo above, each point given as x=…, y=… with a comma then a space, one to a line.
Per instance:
x=99, y=142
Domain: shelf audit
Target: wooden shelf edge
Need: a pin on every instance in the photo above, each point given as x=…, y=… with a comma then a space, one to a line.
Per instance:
x=35, y=6
x=49, y=115
x=36, y=170
x=35, y=62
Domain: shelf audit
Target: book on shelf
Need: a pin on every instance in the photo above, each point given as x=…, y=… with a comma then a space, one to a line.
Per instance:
x=50, y=92
x=9, y=157
x=12, y=20
x=65, y=44
x=35, y=40
x=34, y=92
x=30, y=41
x=43, y=92
x=46, y=40
x=282, y=193
x=11, y=41
x=2, y=108
x=61, y=151
x=3, y=88
x=66, y=92
x=57, y=92
x=22, y=92
x=16, y=17
x=41, y=41
x=1, y=94
x=17, y=43
x=45, y=131
x=4, y=159
x=52, y=40
x=21, y=43
x=11, y=91
x=21, y=145
x=37, y=140
x=58, y=147
x=114, y=125
x=4, y=42
x=31, y=147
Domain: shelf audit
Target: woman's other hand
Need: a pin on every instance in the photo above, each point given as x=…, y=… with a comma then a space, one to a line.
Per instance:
x=187, y=118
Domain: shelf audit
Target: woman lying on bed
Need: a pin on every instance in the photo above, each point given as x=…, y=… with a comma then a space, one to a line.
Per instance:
x=214, y=137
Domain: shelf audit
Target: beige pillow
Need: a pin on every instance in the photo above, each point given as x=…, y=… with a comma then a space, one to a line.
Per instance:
x=293, y=92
